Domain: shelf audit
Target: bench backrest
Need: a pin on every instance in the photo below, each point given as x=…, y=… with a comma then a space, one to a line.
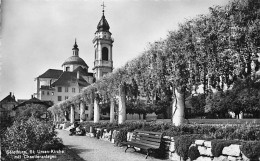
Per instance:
x=147, y=138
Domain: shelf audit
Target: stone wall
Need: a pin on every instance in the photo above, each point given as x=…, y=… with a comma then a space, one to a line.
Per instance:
x=230, y=153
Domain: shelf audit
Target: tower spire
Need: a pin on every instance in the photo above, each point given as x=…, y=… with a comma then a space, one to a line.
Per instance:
x=103, y=5
x=103, y=24
x=75, y=49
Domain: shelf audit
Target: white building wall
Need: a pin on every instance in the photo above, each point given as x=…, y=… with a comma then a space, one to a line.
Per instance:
x=63, y=93
x=46, y=95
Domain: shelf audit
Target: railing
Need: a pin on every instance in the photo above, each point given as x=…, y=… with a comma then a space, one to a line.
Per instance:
x=102, y=37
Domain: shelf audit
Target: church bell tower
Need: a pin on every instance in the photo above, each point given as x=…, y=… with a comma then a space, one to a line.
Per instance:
x=103, y=43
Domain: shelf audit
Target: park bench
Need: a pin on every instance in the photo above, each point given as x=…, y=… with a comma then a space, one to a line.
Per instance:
x=146, y=140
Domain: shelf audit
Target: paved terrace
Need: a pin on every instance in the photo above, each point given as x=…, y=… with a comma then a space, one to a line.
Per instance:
x=92, y=149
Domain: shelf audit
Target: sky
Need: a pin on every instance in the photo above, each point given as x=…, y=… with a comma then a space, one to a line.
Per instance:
x=37, y=35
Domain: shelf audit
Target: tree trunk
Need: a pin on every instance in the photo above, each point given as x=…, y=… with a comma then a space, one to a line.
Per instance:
x=82, y=112
x=58, y=118
x=121, y=105
x=178, y=108
x=112, y=110
x=54, y=117
x=66, y=115
x=96, y=111
x=91, y=107
x=72, y=114
x=241, y=115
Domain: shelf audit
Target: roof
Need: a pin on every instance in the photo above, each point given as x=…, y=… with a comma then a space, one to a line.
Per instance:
x=51, y=73
x=83, y=71
x=65, y=79
x=70, y=77
x=8, y=98
x=103, y=24
x=75, y=60
x=34, y=101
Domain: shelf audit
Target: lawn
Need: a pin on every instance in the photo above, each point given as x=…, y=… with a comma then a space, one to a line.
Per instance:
x=213, y=121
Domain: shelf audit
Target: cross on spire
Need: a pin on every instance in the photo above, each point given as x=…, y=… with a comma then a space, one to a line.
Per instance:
x=103, y=5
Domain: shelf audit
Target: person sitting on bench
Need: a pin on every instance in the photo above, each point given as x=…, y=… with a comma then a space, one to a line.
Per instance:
x=79, y=130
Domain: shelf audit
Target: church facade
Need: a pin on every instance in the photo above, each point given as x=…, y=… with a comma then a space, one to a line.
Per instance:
x=57, y=85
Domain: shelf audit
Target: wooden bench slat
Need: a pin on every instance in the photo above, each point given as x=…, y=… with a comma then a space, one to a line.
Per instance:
x=149, y=136
x=142, y=145
x=147, y=139
x=149, y=132
x=150, y=143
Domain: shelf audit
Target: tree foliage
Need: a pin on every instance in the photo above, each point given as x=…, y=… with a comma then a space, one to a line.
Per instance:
x=243, y=97
x=36, y=110
x=29, y=134
x=212, y=50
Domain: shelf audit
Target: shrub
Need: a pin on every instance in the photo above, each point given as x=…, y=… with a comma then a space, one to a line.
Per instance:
x=246, y=132
x=251, y=149
x=183, y=142
x=218, y=145
x=193, y=152
x=55, y=144
x=227, y=132
x=31, y=134
x=121, y=136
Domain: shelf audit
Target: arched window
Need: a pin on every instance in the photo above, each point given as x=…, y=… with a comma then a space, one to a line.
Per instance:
x=105, y=53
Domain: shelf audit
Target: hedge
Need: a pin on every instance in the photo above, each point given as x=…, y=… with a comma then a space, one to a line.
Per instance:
x=218, y=145
x=183, y=142
x=193, y=152
x=246, y=132
x=251, y=149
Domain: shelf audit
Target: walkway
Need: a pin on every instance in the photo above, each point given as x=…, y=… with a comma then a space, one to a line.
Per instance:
x=92, y=149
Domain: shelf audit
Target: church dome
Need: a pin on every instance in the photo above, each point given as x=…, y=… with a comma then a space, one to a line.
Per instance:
x=75, y=60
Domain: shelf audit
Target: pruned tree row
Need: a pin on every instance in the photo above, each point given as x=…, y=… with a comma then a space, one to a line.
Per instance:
x=212, y=51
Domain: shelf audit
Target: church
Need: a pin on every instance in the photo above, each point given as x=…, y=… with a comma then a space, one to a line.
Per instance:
x=60, y=84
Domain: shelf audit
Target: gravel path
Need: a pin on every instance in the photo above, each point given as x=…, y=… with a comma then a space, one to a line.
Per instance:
x=92, y=149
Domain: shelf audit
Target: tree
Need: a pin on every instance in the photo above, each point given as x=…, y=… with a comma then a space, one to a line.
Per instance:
x=198, y=103
x=244, y=96
x=36, y=110
x=216, y=105
x=211, y=50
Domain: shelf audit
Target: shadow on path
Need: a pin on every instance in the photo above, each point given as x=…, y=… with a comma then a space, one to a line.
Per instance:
x=78, y=150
